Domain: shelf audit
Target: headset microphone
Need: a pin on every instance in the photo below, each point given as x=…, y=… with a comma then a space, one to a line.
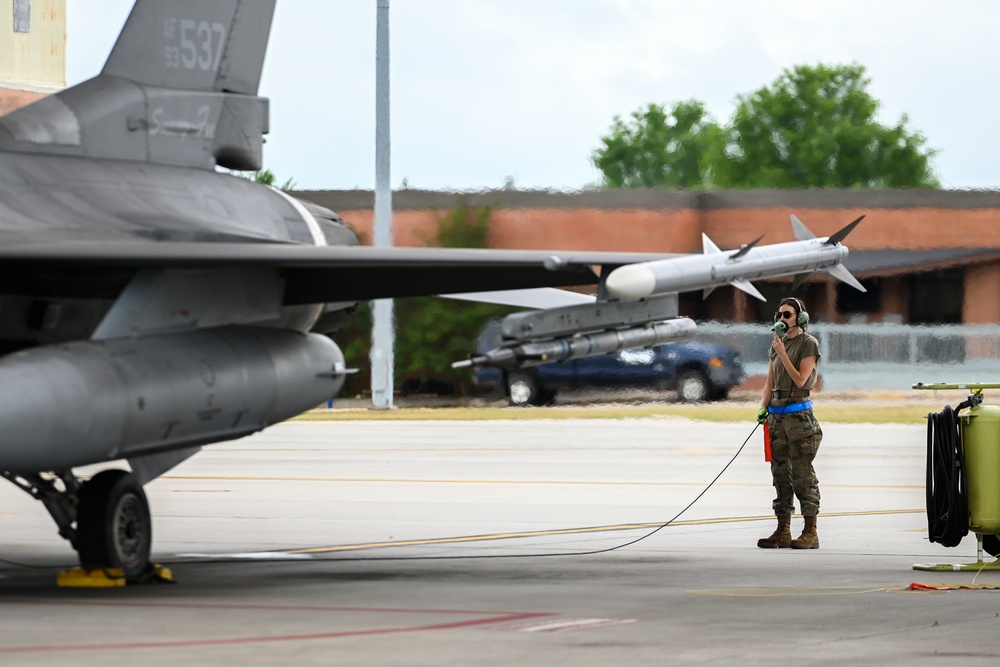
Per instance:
x=779, y=328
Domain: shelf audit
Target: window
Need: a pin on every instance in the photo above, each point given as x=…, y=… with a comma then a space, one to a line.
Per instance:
x=22, y=15
x=936, y=297
x=850, y=300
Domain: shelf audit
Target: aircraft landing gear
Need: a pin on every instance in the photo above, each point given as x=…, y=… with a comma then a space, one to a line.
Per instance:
x=113, y=526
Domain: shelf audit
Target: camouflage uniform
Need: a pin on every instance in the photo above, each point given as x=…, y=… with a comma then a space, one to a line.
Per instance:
x=795, y=436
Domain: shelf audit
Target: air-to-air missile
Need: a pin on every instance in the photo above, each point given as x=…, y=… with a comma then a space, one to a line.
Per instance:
x=643, y=310
x=737, y=268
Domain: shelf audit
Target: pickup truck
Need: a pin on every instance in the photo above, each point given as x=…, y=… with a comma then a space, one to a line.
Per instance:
x=696, y=371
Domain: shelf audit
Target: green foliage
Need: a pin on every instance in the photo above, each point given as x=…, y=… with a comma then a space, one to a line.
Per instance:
x=431, y=332
x=462, y=227
x=660, y=148
x=267, y=177
x=812, y=127
x=816, y=127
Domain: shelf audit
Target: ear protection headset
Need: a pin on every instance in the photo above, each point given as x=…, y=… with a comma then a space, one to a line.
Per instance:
x=803, y=317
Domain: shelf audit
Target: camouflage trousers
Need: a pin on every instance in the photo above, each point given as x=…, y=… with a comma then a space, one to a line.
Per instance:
x=795, y=439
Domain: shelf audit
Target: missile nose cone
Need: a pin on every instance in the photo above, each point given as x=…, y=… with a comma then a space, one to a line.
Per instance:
x=634, y=281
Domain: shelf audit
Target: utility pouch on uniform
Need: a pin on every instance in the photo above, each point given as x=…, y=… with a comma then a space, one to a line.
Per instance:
x=767, y=443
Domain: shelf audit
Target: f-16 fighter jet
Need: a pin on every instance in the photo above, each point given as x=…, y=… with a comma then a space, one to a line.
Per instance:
x=150, y=305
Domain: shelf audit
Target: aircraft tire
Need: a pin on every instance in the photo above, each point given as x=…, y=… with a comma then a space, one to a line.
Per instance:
x=113, y=525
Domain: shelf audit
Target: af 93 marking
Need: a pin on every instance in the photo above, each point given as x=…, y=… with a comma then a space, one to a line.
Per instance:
x=193, y=44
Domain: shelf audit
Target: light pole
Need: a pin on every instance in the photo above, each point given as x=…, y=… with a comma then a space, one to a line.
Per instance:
x=383, y=338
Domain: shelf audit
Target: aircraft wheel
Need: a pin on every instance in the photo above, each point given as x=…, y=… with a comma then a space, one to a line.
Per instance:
x=113, y=526
x=692, y=387
x=522, y=389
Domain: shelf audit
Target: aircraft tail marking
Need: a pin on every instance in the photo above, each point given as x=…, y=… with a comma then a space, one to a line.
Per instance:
x=213, y=46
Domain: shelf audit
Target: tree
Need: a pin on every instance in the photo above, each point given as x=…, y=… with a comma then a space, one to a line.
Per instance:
x=812, y=127
x=432, y=332
x=660, y=148
x=816, y=127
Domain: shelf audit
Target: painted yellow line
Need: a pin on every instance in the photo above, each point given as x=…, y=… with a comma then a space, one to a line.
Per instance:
x=791, y=592
x=545, y=482
x=657, y=451
x=566, y=531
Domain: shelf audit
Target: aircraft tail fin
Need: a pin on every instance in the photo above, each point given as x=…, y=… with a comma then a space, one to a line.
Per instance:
x=213, y=46
x=179, y=88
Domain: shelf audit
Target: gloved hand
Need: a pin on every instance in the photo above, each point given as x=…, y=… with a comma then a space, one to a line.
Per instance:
x=762, y=416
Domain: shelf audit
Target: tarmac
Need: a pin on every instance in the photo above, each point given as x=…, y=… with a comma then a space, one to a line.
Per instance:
x=512, y=542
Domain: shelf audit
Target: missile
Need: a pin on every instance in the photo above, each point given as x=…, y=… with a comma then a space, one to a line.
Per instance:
x=737, y=268
x=564, y=348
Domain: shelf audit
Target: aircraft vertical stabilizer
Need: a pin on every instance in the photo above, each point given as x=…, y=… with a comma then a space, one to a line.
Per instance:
x=213, y=46
x=181, y=82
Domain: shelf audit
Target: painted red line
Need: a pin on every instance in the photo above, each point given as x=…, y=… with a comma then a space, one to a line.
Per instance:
x=276, y=638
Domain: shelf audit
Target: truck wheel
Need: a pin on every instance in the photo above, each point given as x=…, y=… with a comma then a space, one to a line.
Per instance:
x=692, y=387
x=522, y=389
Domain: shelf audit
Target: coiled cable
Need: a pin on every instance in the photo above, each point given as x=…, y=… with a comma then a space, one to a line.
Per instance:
x=947, y=497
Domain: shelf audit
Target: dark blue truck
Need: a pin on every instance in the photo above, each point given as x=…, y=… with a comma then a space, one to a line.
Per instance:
x=696, y=371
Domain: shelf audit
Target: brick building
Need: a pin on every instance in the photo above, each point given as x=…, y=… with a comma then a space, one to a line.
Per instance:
x=32, y=50
x=926, y=256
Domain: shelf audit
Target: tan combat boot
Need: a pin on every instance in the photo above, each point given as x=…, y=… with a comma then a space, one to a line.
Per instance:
x=781, y=537
x=808, y=539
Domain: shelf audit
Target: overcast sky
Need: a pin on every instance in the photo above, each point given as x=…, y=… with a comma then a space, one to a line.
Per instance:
x=486, y=90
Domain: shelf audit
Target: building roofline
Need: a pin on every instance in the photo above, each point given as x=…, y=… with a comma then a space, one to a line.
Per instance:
x=660, y=199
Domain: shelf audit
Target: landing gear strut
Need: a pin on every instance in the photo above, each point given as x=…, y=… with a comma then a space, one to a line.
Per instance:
x=113, y=527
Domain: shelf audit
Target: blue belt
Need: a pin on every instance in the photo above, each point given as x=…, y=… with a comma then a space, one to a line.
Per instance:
x=791, y=407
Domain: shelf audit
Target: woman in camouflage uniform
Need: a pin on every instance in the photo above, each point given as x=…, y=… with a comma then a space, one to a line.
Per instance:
x=795, y=433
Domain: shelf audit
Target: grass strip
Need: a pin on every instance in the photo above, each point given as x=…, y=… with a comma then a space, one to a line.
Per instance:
x=833, y=413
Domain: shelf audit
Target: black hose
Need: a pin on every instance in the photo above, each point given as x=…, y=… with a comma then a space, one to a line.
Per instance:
x=947, y=497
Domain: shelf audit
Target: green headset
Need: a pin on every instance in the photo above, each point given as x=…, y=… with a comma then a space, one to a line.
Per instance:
x=803, y=317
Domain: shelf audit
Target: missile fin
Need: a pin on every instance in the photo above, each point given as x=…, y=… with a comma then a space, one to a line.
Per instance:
x=747, y=247
x=799, y=279
x=708, y=290
x=842, y=234
x=801, y=232
x=841, y=273
x=708, y=246
x=747, y=286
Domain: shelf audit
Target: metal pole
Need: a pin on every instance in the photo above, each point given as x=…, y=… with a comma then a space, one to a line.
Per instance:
x=382, y=312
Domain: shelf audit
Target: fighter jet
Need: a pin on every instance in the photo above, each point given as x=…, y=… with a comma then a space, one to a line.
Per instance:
x=151, y=305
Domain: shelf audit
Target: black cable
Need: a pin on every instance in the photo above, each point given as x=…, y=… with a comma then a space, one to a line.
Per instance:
x=483, y=556
x=947, y=497
x=574, y=553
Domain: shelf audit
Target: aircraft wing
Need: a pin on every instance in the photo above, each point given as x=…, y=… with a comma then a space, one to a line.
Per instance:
x=312, y=274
